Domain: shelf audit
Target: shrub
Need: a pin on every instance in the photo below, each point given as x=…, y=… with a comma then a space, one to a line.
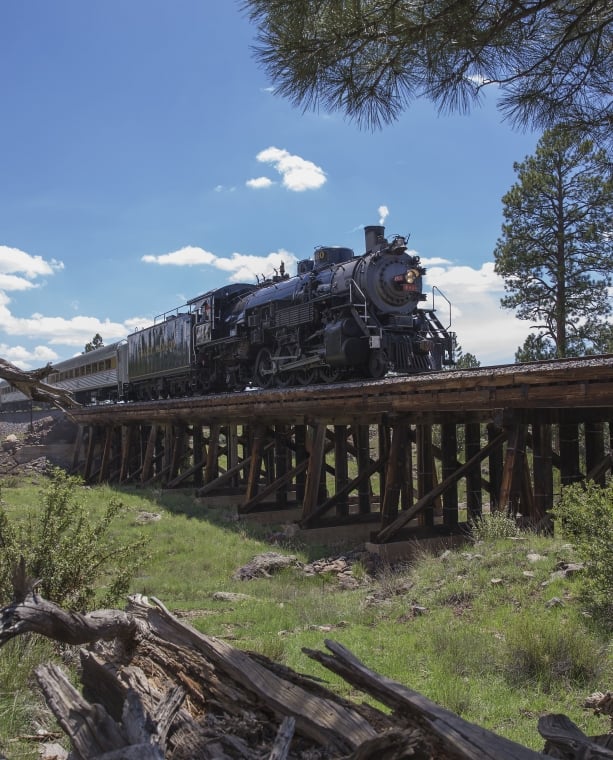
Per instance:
x=550, y=653
x=492, y=526
x=70, y=553
x=584, y=515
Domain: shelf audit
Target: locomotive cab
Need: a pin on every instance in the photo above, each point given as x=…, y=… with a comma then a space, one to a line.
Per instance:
x=213, y=309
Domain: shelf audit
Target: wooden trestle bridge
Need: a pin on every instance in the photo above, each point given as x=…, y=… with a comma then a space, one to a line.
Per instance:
x=408, y=456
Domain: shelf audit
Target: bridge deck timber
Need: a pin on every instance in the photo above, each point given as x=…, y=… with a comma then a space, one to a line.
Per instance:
x=407, y=456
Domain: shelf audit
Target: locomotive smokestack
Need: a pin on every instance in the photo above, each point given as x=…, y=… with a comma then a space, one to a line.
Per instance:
x=374, y=236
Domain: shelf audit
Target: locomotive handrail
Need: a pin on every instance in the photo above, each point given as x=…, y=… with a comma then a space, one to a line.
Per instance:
x=177, y=311
x=352, y=284
x=434, y=287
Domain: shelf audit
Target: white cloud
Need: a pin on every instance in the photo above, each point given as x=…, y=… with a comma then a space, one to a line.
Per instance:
x=27, y=358
x=433, y=261
x=13, y=260
x=259, y=182
x=383, y=212
x=483, y=327
x=59, y=330
x=465, y=279
x=13, y=282
x=188, y=256
x=18, y=272
x=297, y=173
x=243, y=267
x=247, y=268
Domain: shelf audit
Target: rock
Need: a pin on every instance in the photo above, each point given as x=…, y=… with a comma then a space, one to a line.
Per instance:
x=10, y=443
x=229, y=596
x=533, y=557
x=263, y=565
x=555, y=601
x=52, y=751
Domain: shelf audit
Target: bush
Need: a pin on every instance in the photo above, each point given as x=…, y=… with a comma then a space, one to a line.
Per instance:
x=71, y=554
x=492, y=526
x=550, y=653
x=584, y=515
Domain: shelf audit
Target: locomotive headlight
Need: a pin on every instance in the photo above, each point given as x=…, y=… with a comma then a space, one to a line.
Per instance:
x=407, y=280
x=408, y=277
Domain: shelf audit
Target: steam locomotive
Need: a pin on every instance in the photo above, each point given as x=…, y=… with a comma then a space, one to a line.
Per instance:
x=341, y=317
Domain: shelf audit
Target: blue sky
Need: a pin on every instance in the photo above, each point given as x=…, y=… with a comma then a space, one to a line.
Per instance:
x=144, y=159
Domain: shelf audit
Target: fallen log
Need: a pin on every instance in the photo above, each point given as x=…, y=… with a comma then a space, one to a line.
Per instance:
x=31, y=384
x=156, y=688
x=453, y=734
x=567, y=740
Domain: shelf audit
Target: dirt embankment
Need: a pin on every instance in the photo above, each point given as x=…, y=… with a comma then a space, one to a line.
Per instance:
x=34, y=445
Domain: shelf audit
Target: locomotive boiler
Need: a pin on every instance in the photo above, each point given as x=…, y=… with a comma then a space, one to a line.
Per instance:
x=341, y=317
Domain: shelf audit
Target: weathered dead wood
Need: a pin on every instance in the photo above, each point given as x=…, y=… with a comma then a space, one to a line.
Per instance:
x=456, y=737
x=31, y=385
x=36, y=615
x=397, y=744
x=323, y=720
x=176, y=693
x=283, y=740
x=168, y=647
x=601, y=703
x=90, y=728
x=564, y=739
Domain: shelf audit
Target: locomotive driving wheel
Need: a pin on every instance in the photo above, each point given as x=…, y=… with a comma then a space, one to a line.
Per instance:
x=282, y=379
x=328, y=374
x=264, y=369
x=306, y=376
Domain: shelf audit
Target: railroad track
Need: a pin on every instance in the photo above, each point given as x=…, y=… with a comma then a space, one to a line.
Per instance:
x=554, y=384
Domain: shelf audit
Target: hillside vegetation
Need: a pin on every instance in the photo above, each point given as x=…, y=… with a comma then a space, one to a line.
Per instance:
x=499, y=630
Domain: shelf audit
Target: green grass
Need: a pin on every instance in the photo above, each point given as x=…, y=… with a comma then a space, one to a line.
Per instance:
x=471, y=630
x=22, y=709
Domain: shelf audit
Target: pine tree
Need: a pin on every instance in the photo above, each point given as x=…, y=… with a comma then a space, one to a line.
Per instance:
x=370, y=59
x=465, y=360
x=556, y=250
x=96, y=342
